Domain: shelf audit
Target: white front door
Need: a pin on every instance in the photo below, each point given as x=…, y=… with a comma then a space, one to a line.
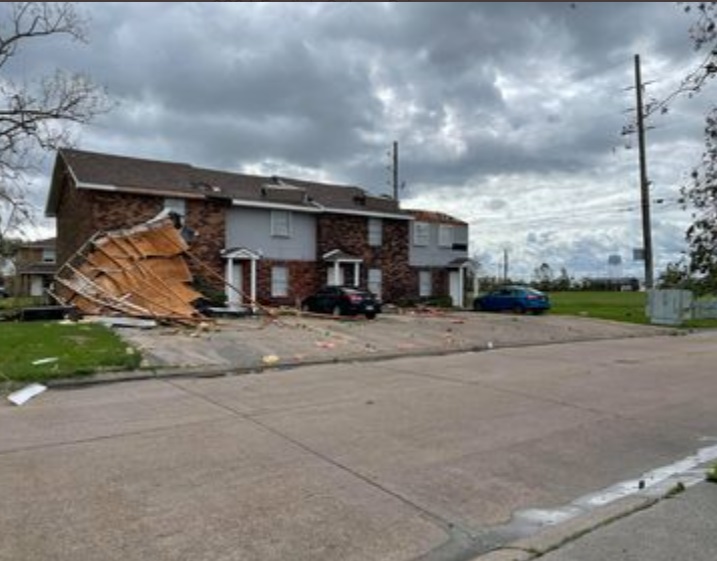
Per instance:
x=455, y=287
x=237, y=285
x=36, y=287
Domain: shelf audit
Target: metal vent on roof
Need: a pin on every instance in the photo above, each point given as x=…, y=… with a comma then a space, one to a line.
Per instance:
x=205, y=187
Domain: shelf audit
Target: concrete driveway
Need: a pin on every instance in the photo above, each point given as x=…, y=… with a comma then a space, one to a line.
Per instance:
x=416, y=458
x=289, y=340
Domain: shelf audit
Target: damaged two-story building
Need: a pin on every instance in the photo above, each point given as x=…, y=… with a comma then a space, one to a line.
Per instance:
x=272, y=240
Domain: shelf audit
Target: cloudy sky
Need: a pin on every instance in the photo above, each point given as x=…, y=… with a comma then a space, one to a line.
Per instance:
x=508, y=115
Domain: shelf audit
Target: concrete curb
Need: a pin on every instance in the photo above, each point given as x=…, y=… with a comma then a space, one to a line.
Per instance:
x=216, y=371
x=554, y=537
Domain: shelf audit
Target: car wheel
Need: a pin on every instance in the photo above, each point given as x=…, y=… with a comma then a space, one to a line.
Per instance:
x=371, y=315
x=519, y=309
x=477, y=307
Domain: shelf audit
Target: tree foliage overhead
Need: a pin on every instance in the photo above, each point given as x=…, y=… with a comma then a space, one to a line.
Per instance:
x=701, y=193
x=35, y=113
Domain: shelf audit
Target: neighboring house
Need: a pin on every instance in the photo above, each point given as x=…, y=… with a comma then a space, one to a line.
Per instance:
x=35, y=266
x=274, y=239
x=439, y=255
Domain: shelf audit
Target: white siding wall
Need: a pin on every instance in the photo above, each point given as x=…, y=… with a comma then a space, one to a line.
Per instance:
x=251, y=228
x=432, y=254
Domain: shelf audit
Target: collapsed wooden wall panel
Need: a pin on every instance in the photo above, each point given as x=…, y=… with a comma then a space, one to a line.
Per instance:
x=139, y=272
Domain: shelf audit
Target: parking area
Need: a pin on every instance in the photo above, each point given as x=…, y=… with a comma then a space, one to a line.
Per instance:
x=250, y=343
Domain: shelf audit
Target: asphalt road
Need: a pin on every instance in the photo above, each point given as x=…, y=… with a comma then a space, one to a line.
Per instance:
x=410, y=459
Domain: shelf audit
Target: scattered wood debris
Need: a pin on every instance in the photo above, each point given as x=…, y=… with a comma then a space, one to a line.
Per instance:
x=138, y=272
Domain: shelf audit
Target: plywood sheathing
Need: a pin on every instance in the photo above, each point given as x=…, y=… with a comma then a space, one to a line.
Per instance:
x=139, y=272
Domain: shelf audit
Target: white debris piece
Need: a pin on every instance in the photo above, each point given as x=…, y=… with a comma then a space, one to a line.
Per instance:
x=20, y=397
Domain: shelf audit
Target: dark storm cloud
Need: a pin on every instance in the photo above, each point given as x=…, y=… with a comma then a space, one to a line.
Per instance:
x=486, y=99
x=228, y=84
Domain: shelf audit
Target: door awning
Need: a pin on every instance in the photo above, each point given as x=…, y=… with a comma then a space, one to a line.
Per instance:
x=338, y=256
x=240, y=253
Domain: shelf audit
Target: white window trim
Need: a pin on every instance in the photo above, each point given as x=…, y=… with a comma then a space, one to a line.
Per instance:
x=375, y=284
x=279, y=286
x=375, y=232
x=276, y=232
x=445, y=235
x=177, y=205
x=49, y=255
x=421, y=234
x=422, y=275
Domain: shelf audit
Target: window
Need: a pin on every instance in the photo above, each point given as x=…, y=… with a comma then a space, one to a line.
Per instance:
x=374, y=281
x=375, y=232
x=421, y=233
x=279, y=282
x=445, y=235
x=176, y=205
x=281, y=223
x=425, y=283
x=48, y=255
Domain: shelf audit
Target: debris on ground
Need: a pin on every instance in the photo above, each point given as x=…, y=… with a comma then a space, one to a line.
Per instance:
x=47, y=360
x=122, y=321
x=268, y=360
x=20, y=397
x=139, y=272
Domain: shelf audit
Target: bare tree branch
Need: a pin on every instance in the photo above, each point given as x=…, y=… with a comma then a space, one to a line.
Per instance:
x=36, y=115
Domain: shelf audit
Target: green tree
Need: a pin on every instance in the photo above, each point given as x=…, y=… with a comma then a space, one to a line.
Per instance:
x=35, y=113
x=543, y=276
x=701, y=193
x=563, y=282
x=675, y=275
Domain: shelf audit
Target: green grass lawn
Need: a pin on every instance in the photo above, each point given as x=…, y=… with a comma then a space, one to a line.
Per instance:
x=79, y=349
x=617, y=306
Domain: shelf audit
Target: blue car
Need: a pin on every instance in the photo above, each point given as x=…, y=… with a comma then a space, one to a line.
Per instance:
x=518, y=299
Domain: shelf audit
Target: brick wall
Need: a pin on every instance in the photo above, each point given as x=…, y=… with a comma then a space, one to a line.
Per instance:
x=350, y=235
x=112, y=211
x=74, y=222
x=398, y=278
x=303, y=281
x=439, y=283
x=207, y=219
x=82, y=213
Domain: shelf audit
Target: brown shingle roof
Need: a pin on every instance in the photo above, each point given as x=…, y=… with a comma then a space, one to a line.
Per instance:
x=432, y=216
x=94, y=170
x=48, y=243
x=37, y=269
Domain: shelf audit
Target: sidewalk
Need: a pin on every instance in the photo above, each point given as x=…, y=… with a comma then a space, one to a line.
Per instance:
x=683, y=527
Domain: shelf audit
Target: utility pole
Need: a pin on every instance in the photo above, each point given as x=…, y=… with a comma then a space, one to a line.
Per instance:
x=505, y=265
x=395, y=170
x=644, y=183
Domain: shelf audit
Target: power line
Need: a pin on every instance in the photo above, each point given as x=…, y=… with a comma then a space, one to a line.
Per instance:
x=626, y=206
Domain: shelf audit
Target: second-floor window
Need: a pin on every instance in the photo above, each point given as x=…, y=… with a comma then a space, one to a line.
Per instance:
x=281, y=223
x=48, y=255
x=445, y=235
x=176, y=205
x=375, y=232
x=421, y=233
